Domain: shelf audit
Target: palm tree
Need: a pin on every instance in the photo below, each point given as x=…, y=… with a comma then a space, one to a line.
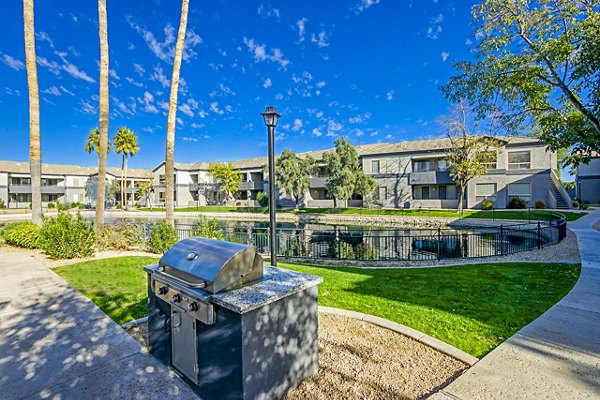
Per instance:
x=35, y=145
x=92, y=143
x=103, y=108
x=170, y=151
x=126, y=144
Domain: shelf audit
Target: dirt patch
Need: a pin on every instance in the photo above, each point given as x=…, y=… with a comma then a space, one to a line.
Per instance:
x=358, y=360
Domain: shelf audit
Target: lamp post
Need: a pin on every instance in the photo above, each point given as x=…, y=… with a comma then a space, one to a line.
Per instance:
x=271, y=117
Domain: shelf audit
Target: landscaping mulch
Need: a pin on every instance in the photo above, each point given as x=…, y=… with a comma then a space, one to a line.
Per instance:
x=358, y=360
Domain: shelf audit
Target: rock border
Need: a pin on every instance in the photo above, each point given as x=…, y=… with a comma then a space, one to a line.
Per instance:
x=414, y=334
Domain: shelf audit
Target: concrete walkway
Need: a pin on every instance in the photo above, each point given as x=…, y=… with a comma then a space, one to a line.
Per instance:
x=557, y=356
x=56, y=344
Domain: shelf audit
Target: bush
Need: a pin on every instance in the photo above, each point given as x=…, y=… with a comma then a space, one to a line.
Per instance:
x=63, y=206
x=120, y=236
x=207, y=228
x=65, y=236
x=51, y=205
x=238, y=203
x=364, y=251
x=22, y=234
x=162, y=237
x=487, y=205
x=1, y=203
x=576, y=204
x=346, y=251
x=262, y=198
x=517, y=203
x=540, y=204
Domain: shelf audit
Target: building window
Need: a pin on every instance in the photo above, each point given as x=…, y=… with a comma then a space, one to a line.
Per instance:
x=375, y=167
x=520, y=190
x=442, y=195
x=383, y=193
x=485, y=191
x=421, y=193
x=421, y=166
x=519, y=160
x=490, y=160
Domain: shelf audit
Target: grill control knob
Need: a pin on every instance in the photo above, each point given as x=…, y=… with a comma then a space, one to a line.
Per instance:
x=176, y=298
x=193, y=306
x=163, y=290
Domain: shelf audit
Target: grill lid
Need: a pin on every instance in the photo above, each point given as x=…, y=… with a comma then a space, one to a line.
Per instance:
x=214, y=265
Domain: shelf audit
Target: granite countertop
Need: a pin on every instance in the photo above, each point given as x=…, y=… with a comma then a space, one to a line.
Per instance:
x=276, y=284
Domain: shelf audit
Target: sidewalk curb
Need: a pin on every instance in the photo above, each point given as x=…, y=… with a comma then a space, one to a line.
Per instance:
x=133, y=324
x=406, y=331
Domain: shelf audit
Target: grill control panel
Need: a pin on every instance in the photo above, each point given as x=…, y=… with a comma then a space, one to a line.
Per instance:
x=186, y=302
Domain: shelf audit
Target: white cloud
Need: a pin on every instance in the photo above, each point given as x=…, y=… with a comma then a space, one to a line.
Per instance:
x=321, y=84
x=260, y=53
x=12, y=62
x=67, y=91
x=267, y=11
x=53, y=90
x=445, y=56
x=196, y=125
x=301, y=24
x=134, y=82
x=44, y=37
x=159, y=76
x=468, y=42
x=189, y=138
x=359, y=133
x=333, y=127
x=127, y=109
x=202, y=114
x=360, y=118
x=279, y=96
x=12, y=92
x=113, y=74
x=317, y=132
x=75, y=72
x=226, y=90
x=267, y=83
x=86, y=107
x=389, y=136
x=390, y=95
x=52, y=66
x=434, y=30
x=186, y=109
x=214, y=107
x=320, y=39
x=364, y=4
x=148, y=102
x=138, y=69
x=297, y=125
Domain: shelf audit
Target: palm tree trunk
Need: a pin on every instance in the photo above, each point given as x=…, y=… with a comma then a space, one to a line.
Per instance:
x=126, y=186
x=103, y=108
x=122, y=181
x=171, y=121
x=35, y=145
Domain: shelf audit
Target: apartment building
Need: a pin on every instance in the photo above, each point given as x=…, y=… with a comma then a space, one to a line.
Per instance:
x=588, y=181
x=60, y=183
x=411, y=174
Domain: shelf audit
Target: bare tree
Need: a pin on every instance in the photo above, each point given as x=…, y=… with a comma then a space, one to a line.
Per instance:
x=35, y=145
x=103, y=108
x=171, y=121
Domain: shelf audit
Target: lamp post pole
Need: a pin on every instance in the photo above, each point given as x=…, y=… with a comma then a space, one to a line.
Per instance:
x=271, y=118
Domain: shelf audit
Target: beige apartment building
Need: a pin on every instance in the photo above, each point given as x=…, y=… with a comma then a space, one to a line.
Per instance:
x=411, y=174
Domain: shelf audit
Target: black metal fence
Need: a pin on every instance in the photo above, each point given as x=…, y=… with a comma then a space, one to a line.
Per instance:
x=417, y=245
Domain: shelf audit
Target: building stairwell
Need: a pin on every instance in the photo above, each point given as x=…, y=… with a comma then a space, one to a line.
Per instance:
x=563, y=201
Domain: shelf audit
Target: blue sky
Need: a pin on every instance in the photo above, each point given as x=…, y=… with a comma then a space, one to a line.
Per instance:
x=365, y=69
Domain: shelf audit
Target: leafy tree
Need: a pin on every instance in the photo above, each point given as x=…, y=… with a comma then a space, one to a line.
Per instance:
x=292, y=173
x=207, y=228
x=144, y=191
x=103, y=101
x=364, y=186
x=343, y=166
x=35, y=145
x=537, y=67
x=126, y=144
x=229, y=179
x=469, y=155
x=91, y=190
x=92, y=142
x=172, y=118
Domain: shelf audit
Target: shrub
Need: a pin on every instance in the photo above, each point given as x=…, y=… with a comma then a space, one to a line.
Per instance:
x=51, y=205
x=262, y=198
x=65, y=236
x=63, y=206
x=22, y=234
x=162, y=237
x=207, y=228
x=1, y=203
x=487, y=205
x=120, y=236
x=517, y=203
x=346, y=251
x=238, y=203
x=540, y=204
x=576, y=204
x=365, y=251
x=296, y=248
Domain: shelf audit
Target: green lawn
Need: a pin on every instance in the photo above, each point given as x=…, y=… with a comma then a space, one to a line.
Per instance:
x=502, y=214
x=472, y=307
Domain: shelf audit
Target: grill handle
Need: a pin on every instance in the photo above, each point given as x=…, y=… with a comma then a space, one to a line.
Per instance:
x=183, y=282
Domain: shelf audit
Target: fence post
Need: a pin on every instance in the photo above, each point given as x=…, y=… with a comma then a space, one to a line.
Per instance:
x=501, y=239
x=439, y=243
x=539, y=235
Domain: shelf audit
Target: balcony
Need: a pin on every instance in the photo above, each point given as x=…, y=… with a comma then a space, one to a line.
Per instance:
x=253, y=185
x=27, y=189
x=317, y=182
x=430, y=178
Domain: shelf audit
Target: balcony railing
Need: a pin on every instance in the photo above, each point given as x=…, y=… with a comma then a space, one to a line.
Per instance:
x=253, y=185
x=27, y=189
x=430, y=178
x=317, y=182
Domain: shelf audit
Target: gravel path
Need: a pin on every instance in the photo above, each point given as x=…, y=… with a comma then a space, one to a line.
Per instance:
x=358, y=360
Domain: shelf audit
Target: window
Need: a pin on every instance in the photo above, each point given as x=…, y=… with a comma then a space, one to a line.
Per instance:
x=490, y=159
x=383, y=194
x=443, y=165
x=442, y=193
x=519, y=160
x=421, y=166
x=485, y=191
x=520, y=190
x=20, y=181
x=375, y=167
x=49, y=197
